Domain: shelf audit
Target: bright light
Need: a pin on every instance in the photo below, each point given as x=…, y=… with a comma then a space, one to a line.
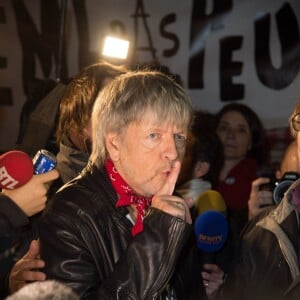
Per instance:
x=115, y=47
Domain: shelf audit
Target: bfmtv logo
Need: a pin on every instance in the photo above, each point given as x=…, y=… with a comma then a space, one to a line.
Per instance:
x=210, y=240
x=6, y=180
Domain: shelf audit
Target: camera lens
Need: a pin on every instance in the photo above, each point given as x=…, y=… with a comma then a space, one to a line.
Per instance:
x=280, y=189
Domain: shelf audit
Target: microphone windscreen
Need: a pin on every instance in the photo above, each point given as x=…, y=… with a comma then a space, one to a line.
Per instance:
x=16, y=169
x=210, y=200
x=211, y=230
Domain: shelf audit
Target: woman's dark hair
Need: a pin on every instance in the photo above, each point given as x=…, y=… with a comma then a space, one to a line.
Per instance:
x=207, y=146
x=77, y=103
x=259, y=148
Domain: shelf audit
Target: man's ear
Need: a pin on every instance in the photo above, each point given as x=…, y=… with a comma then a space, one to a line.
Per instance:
x=201, y=168
x=112, y=145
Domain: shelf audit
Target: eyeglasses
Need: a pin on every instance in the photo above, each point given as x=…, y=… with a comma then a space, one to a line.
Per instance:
x=296, y=122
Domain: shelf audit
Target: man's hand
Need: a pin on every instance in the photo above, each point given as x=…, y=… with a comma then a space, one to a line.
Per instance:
x=31, y=197
x=26, y=269
x=212, y=277
x=259, y=199
x=172, y=205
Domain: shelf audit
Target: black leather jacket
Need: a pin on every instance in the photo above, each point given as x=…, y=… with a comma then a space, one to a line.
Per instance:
x=86, y=243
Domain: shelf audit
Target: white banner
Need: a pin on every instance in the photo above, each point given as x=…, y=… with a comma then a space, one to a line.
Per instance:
x=246, y=50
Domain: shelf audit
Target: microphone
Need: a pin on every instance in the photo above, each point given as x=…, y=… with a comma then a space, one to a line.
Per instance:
x=211, y=230
x=210, y=200
x=211, y=226
x=16, y=169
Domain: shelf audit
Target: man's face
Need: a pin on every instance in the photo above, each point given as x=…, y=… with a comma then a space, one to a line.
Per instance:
x=145, y=152
x=188, y=163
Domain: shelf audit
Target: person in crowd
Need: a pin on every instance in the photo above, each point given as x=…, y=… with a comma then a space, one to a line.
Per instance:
x=38, y=112
x=74, y=144
x=289, y=161
x=245, y=152
x=16, y=209
x=73, y=134
x=196, y=164
x=199, y=173
x=203, y=155
x=261, y=198
x=267, y=266
x=118, y=223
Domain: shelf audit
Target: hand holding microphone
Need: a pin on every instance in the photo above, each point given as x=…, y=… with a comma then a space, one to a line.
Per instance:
x=211, y=227
x=17, y=181
x=211, y=230
x=17, y=168
x=212, y=277
x=31, y=197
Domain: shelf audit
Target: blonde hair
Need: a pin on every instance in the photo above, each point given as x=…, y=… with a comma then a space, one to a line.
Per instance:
x=126, y=100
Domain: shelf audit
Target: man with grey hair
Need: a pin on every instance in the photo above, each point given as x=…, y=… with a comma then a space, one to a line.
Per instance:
x=117, y=231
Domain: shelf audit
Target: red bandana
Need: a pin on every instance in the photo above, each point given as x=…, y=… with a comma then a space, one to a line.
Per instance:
x=128, y=197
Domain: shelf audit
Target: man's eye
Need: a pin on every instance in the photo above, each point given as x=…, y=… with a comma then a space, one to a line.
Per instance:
x=180, y=137
x=153, y=135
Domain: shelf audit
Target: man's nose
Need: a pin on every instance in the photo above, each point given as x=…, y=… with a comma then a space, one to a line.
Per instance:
x=170, y=150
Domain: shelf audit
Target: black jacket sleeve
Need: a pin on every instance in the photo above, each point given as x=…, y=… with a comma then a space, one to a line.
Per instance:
x=11, y=216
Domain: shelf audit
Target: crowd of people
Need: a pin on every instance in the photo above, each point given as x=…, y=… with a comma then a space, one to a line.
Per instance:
x=115, y=219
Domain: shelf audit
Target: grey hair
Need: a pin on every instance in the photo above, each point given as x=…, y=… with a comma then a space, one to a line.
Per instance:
x=126, y=100
x=44, y=290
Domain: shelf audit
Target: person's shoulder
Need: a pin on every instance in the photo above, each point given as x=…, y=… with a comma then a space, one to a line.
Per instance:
x=70, y=197
x=251, y=227
x=83, y=193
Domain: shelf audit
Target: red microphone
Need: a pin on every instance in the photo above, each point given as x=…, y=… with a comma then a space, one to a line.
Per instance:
x=16, y=169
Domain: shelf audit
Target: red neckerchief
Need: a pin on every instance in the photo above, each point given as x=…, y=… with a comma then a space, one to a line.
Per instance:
x=127, y=196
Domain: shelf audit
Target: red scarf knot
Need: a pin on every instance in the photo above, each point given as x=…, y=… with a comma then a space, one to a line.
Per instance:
x=128, y=197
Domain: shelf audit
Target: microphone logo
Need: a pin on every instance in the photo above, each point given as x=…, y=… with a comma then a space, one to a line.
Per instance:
x=211, y=240
x=6, y=180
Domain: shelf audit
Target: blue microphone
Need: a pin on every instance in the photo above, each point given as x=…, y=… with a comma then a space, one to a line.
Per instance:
x=211, y=230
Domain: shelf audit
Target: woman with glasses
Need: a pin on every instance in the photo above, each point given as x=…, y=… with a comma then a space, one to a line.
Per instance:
x=267, y=265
